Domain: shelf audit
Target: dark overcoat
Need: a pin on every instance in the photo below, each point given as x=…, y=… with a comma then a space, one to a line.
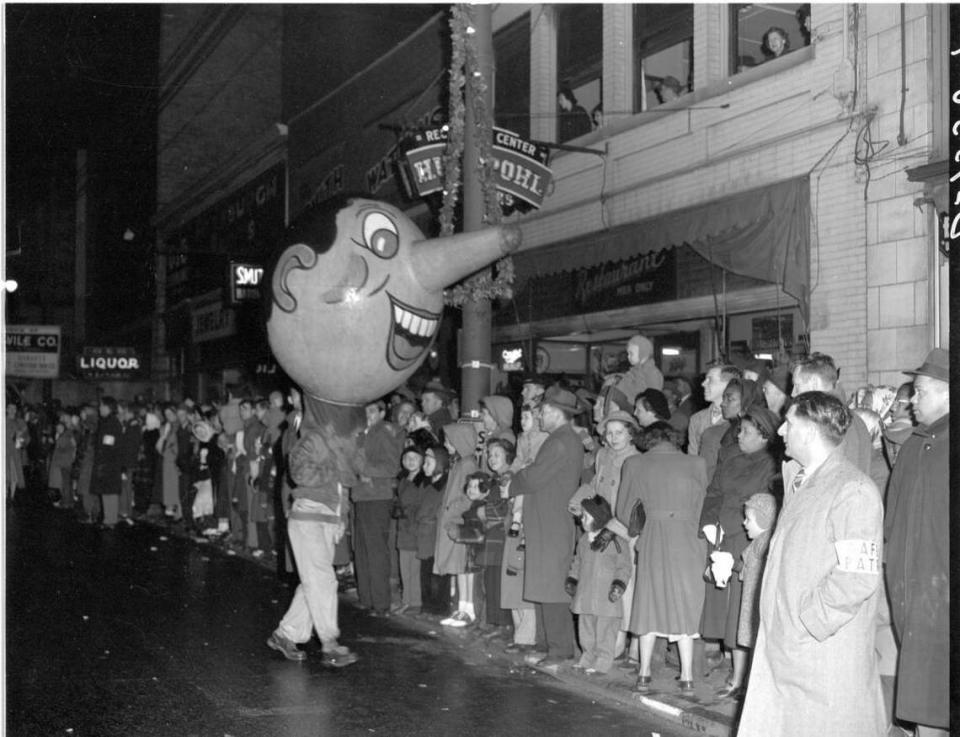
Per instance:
x=917, y=532
x=547, y=485
x=107, y=456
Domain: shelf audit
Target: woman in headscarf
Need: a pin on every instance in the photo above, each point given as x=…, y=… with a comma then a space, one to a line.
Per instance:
x=749, y=466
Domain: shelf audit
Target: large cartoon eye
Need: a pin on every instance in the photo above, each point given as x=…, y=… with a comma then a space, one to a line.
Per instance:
x=380, y=235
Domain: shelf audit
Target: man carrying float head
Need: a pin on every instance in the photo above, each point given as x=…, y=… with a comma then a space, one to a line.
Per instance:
x=354, y=303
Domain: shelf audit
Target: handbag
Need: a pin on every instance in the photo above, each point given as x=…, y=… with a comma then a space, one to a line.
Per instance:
x=638, y=518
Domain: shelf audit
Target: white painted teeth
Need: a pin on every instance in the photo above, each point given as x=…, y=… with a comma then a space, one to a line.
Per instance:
x=414, y=324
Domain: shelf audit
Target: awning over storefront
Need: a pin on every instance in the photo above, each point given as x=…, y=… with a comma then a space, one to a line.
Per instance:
x=761, y=233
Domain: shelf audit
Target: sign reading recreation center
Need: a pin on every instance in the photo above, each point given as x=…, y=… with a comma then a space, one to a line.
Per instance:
x=33, y=351
x=520, y=166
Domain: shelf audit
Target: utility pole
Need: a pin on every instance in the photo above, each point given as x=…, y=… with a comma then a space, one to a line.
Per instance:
x=477, y=313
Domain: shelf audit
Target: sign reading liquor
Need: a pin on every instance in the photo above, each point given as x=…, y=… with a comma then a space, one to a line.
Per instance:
x=109, y=362
x=245, y=281
x=520, y=166
x=33, y=351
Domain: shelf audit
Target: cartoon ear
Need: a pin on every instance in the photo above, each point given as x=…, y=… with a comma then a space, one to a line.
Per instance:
x=298, y=256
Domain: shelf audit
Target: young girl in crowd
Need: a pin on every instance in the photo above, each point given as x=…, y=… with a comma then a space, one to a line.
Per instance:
x=450, y=557
x=596, y=581
x=410, y=493
x=61, y=461
x=759, y=519
x=434, y=589
x=500, y=454
x=468, y=530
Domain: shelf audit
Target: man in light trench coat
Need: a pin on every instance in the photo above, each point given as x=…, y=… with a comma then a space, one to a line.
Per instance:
x=814, y=667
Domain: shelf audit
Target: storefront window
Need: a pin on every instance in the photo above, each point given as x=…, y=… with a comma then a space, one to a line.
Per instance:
x=579, y=68
x=760, y=33
x=511, y=47
x=663, y=40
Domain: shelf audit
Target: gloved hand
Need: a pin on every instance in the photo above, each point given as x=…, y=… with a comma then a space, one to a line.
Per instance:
x=570, y=586
x=602, y=540
x=616, y=590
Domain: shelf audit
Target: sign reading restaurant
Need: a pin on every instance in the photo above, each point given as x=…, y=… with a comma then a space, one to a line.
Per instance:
x=520, y=166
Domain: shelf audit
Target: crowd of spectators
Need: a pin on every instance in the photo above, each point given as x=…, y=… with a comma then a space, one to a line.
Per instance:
x=586, y=530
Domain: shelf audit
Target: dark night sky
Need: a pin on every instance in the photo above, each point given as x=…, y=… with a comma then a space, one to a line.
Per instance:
x=81, y=76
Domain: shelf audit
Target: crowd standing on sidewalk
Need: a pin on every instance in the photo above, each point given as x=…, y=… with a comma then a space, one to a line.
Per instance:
x=782, y=530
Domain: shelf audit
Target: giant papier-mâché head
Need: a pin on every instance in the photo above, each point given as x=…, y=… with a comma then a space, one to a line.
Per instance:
x=356, y=295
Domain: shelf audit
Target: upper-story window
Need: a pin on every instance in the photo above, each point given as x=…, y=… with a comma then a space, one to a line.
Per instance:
x=579, y=68
x=511, y=48
x=663, y=44
x=759, y=33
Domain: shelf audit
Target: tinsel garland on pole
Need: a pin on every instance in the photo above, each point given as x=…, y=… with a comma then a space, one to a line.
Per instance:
x=467, y=82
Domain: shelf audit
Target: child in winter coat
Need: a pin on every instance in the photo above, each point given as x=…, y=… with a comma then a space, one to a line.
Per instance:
x=528, y=444
x=410, y=493
x=759, y=519
x=468, y=530
x=450, y=557
x=500, y=454
x=597, y=580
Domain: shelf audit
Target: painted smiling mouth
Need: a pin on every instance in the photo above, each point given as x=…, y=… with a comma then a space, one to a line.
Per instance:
x=412, y=330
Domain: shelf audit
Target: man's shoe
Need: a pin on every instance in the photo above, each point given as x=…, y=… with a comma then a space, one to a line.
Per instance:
x=535, y=658
x=289, y=648
x=554, y=661
x=338, y=657
x=514, y=647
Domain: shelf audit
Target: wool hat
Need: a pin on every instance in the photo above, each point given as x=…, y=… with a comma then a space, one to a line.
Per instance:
x=657, y=402
x=764, y=508
x=598, y=508
x=560, y=398
x=643, y=343
x=618, y=416
x=936, y=366
x=765, y=419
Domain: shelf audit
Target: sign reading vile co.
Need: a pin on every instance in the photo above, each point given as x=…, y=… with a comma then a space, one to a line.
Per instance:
x=33, y=351
x=109, y=362
x=520, y=166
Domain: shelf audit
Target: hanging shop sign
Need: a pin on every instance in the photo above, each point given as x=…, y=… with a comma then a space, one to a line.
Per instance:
x=33, y=351
x=110, y=362
x=213, y=321
x=520, y=166
x=244, y=280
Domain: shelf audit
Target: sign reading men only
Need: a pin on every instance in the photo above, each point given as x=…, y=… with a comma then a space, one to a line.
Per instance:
x=520, y=166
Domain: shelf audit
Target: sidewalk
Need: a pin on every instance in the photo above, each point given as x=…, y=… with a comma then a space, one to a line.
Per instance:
x=700, y=711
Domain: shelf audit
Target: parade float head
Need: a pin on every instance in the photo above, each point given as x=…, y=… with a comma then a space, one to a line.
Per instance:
x=356, y=296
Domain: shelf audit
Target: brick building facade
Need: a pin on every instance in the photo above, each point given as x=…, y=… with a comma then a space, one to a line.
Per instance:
x=833, y=128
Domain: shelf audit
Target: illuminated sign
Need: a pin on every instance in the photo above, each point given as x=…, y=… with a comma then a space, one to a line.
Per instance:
x=245, y=281
x=109, y=362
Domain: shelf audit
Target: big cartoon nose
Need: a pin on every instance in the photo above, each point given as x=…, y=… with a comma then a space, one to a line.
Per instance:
x=439, y=262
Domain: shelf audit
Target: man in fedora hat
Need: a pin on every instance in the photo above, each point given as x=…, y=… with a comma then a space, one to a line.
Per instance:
x=547, y=486
x=917, y=531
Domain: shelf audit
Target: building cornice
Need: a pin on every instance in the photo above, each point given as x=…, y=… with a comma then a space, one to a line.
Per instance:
x=269, y=149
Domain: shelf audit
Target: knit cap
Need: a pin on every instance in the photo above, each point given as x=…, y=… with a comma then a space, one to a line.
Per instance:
x=764, y=508
x=644, y=344
x=598, y=508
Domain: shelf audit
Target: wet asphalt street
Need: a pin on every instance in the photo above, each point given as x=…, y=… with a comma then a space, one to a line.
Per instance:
x=122, y=633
